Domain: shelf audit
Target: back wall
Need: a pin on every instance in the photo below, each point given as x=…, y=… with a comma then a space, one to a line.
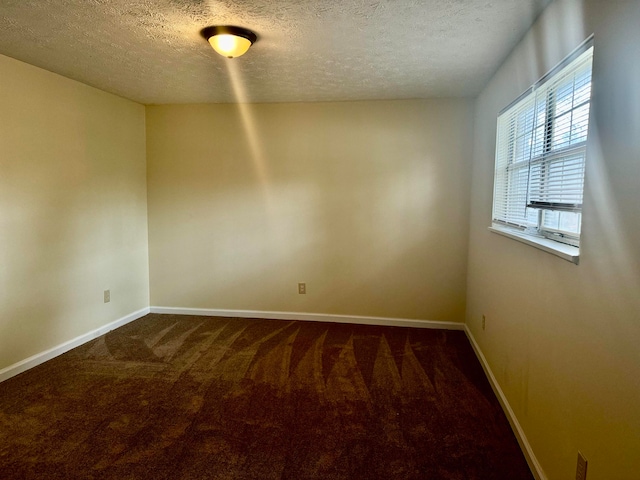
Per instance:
x=366, y=202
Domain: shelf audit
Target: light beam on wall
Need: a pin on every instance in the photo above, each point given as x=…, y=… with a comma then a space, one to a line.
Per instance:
x=251, y=132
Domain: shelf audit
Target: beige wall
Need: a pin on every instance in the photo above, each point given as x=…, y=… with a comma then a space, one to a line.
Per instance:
x=72, y=209
x=366, y=202
x=563, y=340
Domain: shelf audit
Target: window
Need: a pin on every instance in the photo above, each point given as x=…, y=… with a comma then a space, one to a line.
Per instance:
x=540, y=157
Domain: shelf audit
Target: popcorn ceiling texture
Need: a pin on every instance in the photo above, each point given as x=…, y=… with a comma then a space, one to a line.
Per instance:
x=151, y=51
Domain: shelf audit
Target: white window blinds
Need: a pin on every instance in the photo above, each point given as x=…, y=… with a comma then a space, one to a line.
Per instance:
x=541, y=150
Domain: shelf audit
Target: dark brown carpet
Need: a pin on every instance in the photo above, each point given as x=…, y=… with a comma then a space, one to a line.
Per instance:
x=176, y=397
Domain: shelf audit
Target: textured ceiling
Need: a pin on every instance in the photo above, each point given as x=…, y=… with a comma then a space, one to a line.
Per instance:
x=151, y=51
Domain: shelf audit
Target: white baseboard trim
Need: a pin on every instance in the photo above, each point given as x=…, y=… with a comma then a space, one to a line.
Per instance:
x=37, y=359
x=314, y=317
x=534, y=465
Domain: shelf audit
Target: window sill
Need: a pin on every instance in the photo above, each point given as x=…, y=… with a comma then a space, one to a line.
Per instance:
x=566, y=252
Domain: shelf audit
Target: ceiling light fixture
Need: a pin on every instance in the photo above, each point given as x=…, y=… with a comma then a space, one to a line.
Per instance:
x=229, y=41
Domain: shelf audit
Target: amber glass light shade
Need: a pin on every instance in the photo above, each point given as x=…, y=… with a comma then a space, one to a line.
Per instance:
x=228, y=41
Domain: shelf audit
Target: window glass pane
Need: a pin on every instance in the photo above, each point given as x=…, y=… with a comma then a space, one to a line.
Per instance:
x=524, y=129
x=570, y=222
x=551, y=220
x=563, y=222
x=538, y=142
x=530, y=131
x=580, y=124
x=525, y=121
x=516, y=209
x=561, y=131
x=583, y=88
x=532, y=217
x=564, y=97
x=523, y=147
x=541, y=111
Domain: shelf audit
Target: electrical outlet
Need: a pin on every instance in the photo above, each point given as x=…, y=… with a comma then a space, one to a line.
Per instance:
x=302, y=288
x=581, y=469
x=107, y=296
x=484, y=320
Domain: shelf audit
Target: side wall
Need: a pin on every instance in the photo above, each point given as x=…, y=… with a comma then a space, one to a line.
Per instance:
x=562, y=340
x=366, y=202
x=73, y=219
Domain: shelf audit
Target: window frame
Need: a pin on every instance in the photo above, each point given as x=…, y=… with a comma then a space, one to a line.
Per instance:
x=558, y=170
